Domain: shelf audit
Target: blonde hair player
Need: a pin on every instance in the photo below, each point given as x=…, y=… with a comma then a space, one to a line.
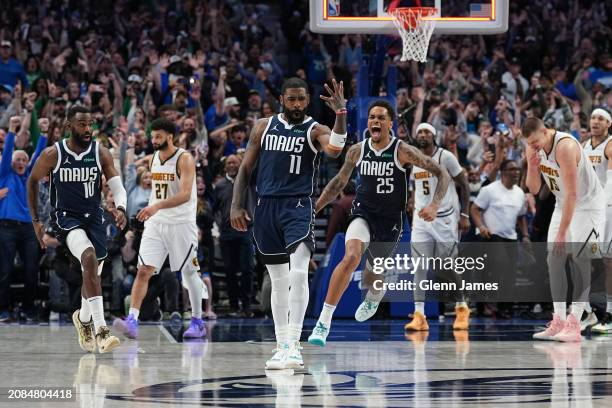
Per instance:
x=599, y=150
x=576, y=224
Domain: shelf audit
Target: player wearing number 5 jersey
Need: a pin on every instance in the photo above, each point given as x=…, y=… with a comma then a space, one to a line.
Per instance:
x=576, y=226
x=286, y=148
x=379, y=205
x=170, y=228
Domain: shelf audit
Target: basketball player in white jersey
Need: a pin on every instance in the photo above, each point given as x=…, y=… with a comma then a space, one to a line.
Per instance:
x=576, y=226
x=170, y=228
x=599, y=149
x=440, y=237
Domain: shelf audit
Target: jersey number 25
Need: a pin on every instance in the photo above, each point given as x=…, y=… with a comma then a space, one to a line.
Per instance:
x=384, y=186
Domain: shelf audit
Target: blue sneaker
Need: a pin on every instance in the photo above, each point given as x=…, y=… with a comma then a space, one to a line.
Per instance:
x=196, y=329
x=319, y=334
x=5, y=316
x=128, y=327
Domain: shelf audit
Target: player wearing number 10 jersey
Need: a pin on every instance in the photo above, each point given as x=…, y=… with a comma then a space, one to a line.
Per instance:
x=380, y=203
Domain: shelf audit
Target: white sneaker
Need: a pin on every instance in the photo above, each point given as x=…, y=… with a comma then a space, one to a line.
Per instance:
x=366, y=309
x=293, y=358
x=277, y=362
x=587, y=321
x=319, y=334
x=605, y=326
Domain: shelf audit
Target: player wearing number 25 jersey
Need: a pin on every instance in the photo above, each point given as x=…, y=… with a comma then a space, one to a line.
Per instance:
x=378, y=208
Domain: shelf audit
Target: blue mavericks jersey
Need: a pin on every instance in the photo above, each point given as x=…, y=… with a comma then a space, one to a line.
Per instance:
x=76, y=180
x=288, y=161
x=382, y=180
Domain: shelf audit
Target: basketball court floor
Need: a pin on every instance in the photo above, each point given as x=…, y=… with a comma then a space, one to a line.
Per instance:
x=370, y=364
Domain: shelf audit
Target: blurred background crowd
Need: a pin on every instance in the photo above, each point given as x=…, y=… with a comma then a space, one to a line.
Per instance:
x=214, y=68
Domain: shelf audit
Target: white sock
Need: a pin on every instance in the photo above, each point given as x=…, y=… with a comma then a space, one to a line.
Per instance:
x=461, y=304
x=298, y=288
x=279, y=278
x=577, y=309
x=419, y=307
x=194, y=288
x=294, y=332
x=282, y=335
x=84, y=313
x=375, y=297
x=609, y=303
x=588, y=308
x=134, y=312
x=327, y=314
x=96, y=305
x=560, y=310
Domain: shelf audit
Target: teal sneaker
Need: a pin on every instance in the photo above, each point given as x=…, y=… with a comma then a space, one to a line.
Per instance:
x=293, y=358
x=366, y=309
x=319, y=334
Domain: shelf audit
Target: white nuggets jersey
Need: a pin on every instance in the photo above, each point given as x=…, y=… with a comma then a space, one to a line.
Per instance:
x=590, y=193
x=425, y=183
x=165, y=183
x=599, y=160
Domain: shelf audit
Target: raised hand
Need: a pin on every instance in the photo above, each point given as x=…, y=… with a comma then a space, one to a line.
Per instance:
x=336, y=99
x=43, y=124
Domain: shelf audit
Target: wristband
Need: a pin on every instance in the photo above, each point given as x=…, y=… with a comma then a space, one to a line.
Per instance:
x=465, y=215
x=342, y=111
x=337, y=141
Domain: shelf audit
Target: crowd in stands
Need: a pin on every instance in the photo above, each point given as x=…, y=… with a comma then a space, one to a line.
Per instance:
x=214, y=68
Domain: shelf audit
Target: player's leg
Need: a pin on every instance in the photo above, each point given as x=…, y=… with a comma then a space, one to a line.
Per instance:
x=271, y=246
x=182, y=243
x=151, y=256
x=423, y=246
x=83, y=249
x=585, y=245
x=356, y=240
x=385, y=234
x=558, y=283
x=605, y=326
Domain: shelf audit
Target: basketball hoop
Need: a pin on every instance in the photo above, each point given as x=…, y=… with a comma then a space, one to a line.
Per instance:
x=415, y=30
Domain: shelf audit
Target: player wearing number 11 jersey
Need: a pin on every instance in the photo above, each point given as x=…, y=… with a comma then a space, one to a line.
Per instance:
x=380, y=203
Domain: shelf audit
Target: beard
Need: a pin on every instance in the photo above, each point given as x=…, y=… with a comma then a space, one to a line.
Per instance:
x=422, y=144
x=80, y=141
x=161, y=146
x=295, y=116
x=475, y=187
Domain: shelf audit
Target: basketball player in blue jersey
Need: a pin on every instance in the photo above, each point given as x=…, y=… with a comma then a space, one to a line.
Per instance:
x=76, y=166
x=286, y=149
x=380, y=203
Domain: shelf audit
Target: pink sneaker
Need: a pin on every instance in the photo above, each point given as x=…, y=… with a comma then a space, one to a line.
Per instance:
x=571, y=331
x=552, y=328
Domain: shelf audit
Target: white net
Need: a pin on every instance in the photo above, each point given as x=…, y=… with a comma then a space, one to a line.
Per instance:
x=415, y=31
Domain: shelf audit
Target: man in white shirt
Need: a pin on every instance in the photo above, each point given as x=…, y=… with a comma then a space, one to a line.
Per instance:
x=495, y=212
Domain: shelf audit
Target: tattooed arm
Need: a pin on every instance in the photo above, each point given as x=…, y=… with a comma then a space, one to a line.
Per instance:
x=239, y=217
x=411, y=155
x=335, y=185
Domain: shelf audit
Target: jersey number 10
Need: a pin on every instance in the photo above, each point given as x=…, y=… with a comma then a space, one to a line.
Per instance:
x=89, y=189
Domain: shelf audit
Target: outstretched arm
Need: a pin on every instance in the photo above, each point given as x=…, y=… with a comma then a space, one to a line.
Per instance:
x=335, y=185
x=238, y=215
x=411, y=155
x=43, y=166
x=332, y=142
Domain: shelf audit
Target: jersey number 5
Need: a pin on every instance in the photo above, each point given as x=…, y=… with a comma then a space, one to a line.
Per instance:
x=426, y=187
x=385, y=185
x=161, y=191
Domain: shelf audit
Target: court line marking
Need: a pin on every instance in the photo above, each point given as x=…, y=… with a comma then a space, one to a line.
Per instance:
x=167, y=334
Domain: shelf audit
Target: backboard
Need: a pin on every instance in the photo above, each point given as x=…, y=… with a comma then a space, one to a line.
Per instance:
x=371, y=17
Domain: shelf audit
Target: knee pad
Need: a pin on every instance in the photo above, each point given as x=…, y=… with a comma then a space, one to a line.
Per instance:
x=358, y=229
x=77, y=242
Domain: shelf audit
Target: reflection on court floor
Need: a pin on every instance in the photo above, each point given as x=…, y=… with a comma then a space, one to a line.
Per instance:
x=493, y=365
